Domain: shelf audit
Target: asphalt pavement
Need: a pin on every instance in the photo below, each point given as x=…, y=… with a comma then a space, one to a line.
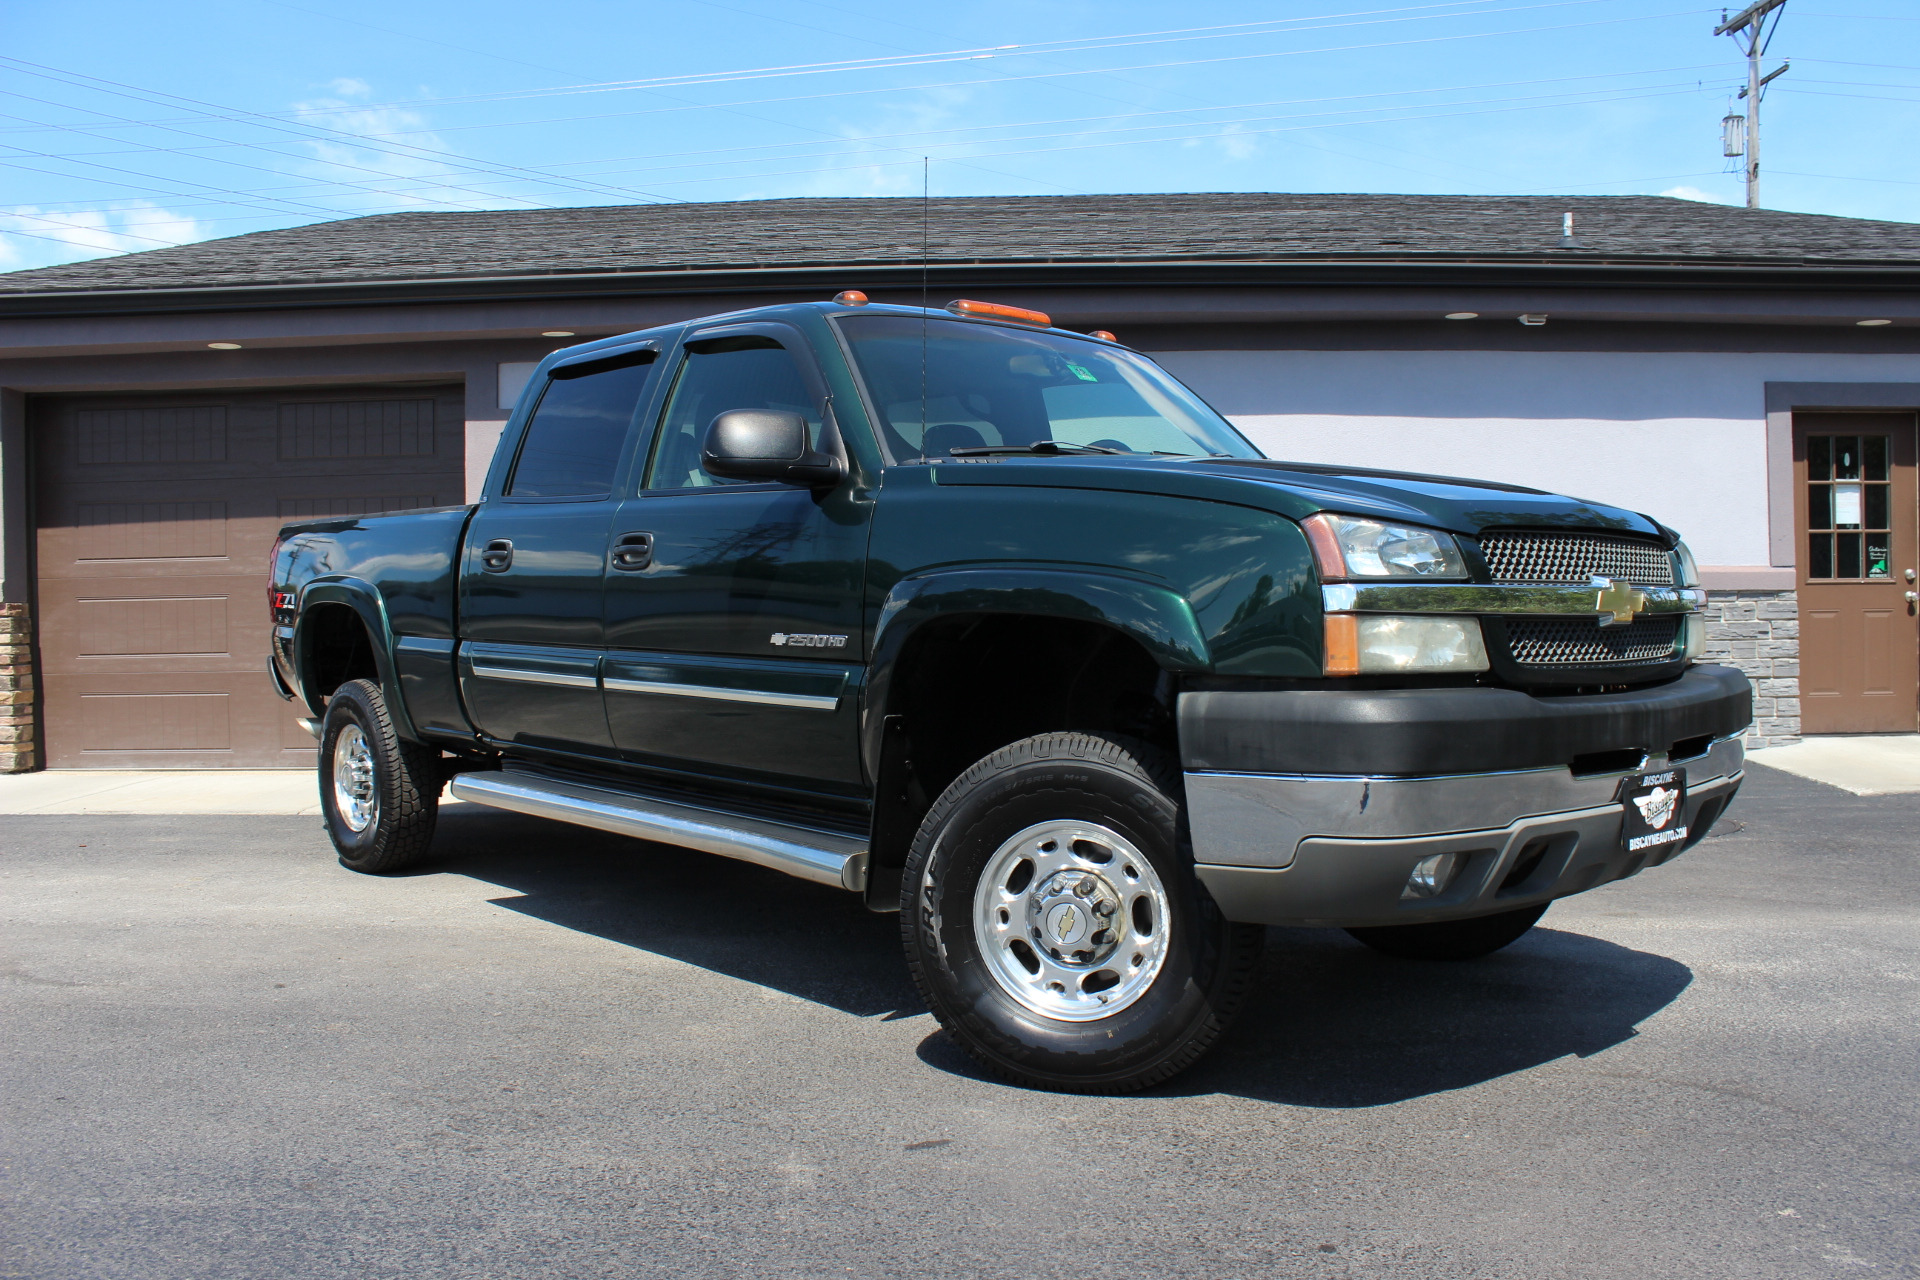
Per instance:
x=554, y=1053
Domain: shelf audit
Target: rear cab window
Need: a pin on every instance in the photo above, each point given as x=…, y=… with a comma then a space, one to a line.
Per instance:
x=575, y=435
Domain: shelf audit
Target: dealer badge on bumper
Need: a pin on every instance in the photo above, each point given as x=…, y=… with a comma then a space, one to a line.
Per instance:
x=1655, y=806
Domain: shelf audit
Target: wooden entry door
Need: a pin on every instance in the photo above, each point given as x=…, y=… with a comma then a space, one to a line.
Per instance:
x=154, y=517
x=1855, y=508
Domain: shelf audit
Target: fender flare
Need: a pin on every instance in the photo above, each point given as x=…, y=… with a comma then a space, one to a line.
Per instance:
x=1157, y=617
x=371, y=608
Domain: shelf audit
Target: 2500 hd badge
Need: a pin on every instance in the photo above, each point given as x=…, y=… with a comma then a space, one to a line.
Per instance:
x=998, y=626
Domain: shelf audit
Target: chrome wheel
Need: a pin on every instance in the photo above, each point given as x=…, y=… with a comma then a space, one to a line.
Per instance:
x=1072, y=920
x=354, y=797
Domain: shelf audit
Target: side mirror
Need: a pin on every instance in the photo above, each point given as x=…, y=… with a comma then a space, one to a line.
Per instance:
x=766, y=444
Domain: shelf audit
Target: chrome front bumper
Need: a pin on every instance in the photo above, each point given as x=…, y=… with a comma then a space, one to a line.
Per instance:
x=1302, y=850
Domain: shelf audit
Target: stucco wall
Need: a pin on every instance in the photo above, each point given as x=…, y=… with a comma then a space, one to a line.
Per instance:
x=1681, y=436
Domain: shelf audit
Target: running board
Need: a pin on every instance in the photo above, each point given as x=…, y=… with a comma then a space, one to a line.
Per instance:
x=823, y=857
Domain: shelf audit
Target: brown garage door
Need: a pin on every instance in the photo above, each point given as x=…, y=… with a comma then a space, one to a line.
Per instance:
x=155, y=516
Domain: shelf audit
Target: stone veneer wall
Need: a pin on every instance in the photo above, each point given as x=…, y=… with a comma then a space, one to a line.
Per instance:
x=1759, y=632
x=18, y=749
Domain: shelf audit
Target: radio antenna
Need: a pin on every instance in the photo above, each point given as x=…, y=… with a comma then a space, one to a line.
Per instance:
x=926, y=234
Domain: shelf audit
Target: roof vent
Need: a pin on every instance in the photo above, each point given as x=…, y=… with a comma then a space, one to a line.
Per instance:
x=1566, y=232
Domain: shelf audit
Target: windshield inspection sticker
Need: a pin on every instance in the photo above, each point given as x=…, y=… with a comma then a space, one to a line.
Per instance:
x=1655, y=809
x=1085, y=375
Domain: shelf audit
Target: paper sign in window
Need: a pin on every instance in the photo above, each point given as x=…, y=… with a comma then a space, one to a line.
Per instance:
x=1846, y=506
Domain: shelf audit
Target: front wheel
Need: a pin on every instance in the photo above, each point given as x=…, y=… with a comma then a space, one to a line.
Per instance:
x=1451, y=939
x=1054, y=924
x=379, y=794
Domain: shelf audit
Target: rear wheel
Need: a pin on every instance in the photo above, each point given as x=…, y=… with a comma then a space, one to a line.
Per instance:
x=1054, y=925
x=1451, y=939
x=379, y=794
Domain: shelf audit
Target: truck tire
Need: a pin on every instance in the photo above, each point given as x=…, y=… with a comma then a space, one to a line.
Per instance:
x=1451, y=939
x=379, y=794
x=1054, y=925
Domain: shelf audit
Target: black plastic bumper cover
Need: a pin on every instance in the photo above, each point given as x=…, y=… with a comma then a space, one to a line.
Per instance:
x=1417, y=732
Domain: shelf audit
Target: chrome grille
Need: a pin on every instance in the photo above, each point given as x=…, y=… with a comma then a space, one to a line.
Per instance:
x=1583, y=642
x=1574, y=557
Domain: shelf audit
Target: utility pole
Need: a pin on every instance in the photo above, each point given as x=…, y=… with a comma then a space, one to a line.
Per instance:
x=1752, y=24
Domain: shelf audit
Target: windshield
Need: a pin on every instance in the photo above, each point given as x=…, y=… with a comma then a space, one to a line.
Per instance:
x=988, y=385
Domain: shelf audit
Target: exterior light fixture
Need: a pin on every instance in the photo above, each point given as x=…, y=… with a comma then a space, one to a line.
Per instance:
x=1871, y=324
x=224, y=346
x=556, y=333
x=1463, y=315
x=1533, y=319
x=850, y=298
x=1105, y=335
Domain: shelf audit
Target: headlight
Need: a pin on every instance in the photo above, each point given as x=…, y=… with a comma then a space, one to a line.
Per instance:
x=1688, y=573
x=1368, y=644
x=1349, y=547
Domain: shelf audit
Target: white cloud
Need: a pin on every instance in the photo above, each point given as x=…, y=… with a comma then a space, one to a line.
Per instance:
x=1694, y=193
x=391, y=168
x=42, y=237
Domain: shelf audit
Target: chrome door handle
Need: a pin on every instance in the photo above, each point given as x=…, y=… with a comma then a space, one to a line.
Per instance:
x=1913, y=597
x=497, y=556
x=633, y=551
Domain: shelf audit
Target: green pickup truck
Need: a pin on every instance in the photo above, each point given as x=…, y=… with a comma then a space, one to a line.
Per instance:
x=1001, y=627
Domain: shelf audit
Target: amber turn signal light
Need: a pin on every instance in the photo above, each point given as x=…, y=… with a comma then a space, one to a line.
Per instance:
x=850, y=298
x=1104, y=335
x=997, y=311
x=1342, y=648
x=1326, y=549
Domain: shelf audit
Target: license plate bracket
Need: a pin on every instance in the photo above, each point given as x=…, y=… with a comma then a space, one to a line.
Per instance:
x=1654, y=810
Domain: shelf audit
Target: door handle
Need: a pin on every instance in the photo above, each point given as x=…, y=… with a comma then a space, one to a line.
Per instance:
x=1913, y=597
x=497, y=556
x=633, y=551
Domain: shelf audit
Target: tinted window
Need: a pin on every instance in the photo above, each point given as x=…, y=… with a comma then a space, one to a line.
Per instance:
x=944, y=385
x=573, y=442
x=740, y=376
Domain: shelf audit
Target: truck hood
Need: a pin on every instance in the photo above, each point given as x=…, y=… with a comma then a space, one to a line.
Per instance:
x=1299, y=489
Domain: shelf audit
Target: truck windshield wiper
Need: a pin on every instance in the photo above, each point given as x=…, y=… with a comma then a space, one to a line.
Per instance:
x=1041, y=447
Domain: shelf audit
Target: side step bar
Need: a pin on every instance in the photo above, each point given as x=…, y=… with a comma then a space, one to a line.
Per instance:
x=823, y=857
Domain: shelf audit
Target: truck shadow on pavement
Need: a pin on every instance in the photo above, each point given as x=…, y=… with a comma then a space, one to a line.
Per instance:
x=1329, y=1023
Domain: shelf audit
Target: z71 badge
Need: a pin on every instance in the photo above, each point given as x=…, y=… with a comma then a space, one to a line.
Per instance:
x=795, y=640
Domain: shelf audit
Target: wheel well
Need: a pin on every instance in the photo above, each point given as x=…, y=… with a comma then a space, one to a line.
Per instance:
x=338, y=649
x=965, y=685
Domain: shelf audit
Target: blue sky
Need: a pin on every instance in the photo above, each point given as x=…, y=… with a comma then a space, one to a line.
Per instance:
x=127, y=125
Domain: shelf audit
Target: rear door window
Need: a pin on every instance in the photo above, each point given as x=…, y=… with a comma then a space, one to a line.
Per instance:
x=573, y=441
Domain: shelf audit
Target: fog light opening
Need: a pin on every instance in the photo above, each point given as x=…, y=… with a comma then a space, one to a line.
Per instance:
x=1431, y=875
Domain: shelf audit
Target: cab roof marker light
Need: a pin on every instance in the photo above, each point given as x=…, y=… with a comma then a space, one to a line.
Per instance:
x=1105, y=335
x=850, y=298
x=999, y=311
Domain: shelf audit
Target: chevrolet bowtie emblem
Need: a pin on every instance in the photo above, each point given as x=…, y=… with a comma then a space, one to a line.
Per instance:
x=1615, y=601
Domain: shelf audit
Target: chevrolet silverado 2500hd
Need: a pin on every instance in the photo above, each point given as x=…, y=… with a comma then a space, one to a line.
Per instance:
x=1001, y=627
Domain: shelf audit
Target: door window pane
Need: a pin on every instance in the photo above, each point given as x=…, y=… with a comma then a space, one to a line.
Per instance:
x=1819, y=506
x=1876, y=507
x=1846, y=457
x=1848, y=559
x=1875, y=450
x=1819, y=457
x=747, y=373
x=1820, y=556
x=573, y=442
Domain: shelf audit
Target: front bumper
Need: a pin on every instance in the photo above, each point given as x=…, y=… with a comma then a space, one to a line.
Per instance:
x=1307, y=850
